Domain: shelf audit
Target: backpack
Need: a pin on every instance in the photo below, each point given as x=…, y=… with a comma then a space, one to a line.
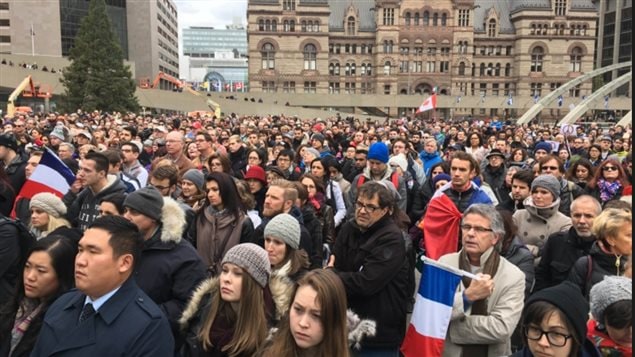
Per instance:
x=26, y=240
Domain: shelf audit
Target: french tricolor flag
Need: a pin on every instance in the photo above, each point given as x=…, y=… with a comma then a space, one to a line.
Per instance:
x=50, y=175
x=432, y=312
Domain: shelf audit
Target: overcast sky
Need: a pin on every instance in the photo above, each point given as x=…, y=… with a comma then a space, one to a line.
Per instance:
x=214, y=13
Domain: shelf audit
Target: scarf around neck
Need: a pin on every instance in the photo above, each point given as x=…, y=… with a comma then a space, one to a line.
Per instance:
x=608, y=190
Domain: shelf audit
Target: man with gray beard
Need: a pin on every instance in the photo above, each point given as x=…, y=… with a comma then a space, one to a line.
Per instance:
x=562, y=250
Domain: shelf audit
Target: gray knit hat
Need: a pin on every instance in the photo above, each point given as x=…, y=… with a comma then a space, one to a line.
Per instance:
x=196, y=177
x=314, y=152
x=48, y=203
x=147, y=201
x=253, y=259
x=607, y=292
x=285, y=228
x=549, y=183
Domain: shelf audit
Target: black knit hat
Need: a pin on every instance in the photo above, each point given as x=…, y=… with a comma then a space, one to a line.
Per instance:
x=568, y=298
x=147, y=201
x=9, y=141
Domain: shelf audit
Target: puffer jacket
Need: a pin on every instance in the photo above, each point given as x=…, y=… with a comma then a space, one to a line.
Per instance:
x=169, y=269
x=535, y=225
x=602, y=264
x=193, y=316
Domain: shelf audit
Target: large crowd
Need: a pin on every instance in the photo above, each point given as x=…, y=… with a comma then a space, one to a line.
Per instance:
x=284, y=236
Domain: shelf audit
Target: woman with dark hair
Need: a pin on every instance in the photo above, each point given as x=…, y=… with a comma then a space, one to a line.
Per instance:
x=324, y=212
x=219, y=163
x=520, y=158
x=321, y=169
x=553, y=324
x=426, y=191
x=474, y=146
x=7, y=195
x=610, y=329
x=47, y=274
x=608, y=182
x=222, y=222
x=581, y=172
x=256, y=157
x=595, y=155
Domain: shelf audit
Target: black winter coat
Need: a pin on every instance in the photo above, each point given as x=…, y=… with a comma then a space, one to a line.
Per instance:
x=374, y=269
x=10, y=269
x=560, y=252
x=602, y=264
x=520, y=256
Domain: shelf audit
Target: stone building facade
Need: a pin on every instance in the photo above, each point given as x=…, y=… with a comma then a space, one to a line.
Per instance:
x=398, y=47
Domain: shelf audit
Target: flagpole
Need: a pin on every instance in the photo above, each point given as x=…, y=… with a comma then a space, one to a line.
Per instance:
x=32, y=41
x=451, y=269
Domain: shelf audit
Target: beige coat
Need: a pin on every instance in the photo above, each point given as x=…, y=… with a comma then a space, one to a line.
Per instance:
x=505, y=306
x=535, y=224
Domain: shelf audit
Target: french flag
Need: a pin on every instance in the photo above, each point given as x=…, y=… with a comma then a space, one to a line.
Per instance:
x=432, y=312
x=50, y=175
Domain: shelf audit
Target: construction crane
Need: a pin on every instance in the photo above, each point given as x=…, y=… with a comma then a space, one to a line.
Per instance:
x=27, y=89
x=180, y=85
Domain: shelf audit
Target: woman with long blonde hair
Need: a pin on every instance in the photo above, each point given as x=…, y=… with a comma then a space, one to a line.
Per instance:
x=47, y=214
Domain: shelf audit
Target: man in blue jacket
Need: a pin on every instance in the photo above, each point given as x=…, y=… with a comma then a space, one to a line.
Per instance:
x=108, y=315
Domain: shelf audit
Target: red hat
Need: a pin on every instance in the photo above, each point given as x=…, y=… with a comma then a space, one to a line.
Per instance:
x=256, y=173
x=318, y=127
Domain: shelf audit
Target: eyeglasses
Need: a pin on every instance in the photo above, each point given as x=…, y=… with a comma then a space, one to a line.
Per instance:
x=159, y=187
x=609, y=168
x=367, y=208
x=550, y=168
x=555, y=338
x=216, y=164
x=467, y=228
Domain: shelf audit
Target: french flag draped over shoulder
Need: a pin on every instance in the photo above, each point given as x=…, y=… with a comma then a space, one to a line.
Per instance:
x=432, y=312
x=50, y=175
x=441, y=225
x=428, y=104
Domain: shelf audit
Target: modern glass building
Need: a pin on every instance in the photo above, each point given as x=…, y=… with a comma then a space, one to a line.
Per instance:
x=205, y=41
x=615, y=38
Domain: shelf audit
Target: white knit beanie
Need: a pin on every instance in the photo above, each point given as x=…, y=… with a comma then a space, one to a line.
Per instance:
x=48, y=203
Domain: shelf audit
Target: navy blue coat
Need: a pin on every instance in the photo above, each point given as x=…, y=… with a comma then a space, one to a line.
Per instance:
x=128, y=324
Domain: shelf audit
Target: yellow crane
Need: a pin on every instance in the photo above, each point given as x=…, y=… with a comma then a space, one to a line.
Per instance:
x=27, y=83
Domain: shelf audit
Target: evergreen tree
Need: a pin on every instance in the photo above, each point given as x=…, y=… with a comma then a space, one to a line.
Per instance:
x=97, y=78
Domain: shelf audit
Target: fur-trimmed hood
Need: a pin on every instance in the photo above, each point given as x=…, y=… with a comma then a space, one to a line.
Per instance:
x=281, y=289
x=172, y=220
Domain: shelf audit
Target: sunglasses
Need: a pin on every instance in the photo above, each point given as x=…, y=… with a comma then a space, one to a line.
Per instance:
x=609, y=168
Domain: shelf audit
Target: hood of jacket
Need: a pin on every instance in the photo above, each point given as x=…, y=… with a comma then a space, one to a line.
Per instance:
x=281, y=290
x=385, y=176
x=113, y=184
x=543, y=213
x=172, y=220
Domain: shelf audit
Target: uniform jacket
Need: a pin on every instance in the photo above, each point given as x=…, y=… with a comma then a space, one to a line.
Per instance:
x=198, y=307
x=504, y=306
x=374, y=269
x=128, y=324
x=169, y=269
x=535, y=224
x=83, y=208
x=560, y=252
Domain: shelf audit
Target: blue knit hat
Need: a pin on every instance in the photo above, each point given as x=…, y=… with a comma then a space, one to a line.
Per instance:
x=378, y=151
x=543, y=145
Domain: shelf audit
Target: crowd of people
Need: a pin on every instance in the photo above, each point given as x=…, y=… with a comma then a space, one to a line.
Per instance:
x=281, y=236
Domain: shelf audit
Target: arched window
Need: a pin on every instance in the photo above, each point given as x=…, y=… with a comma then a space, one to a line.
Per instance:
x=268, y=53
x=417, y=22
x=316, y=26
x=435, y=19
x=497, y=70
x=267, y=25
x=350, y=25
x=309, y=26
x=331, y=69
x=292, y=26
x=369, y=69
x=310, y=57
x=387, y=68
x=473, y=69
x=303, y=26
x=285, y=25
x=274, y=26
x=426, y=18
x=491, y=28
x=444, y=19
x=363, y=69
x=537, y=55
x=407, y=18
x=462, y=69
x=576, y=59
x=337, y=69
x=481, y=71
x=353, y=69
x=261, y=25
x=508, y=70
x=347, y=69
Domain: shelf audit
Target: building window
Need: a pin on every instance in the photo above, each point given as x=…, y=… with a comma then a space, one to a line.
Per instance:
x=576, y=60
x=497, y=70
x=418, y=67
x=268, y=54
x=426, y=18
x=508, y=70
x=444, y=19
x=462, y=69
x=536, y=89
x=310, y=57
x=310, y=87
x=435, y=19
x=389, y=17
x=491, y=28
x=337, y=69
x=350, y=25
x=508, y=50
x=288, y=5
x=575, y=91
x=292, y=26
x=388, y=45
x=537, y=55
x=349, y=88
x=444, y=66
x=387, y=67
x=407, y=19
x=261, y=25
x=431, y=66
x=334, y=87
x=288, y=87
x=386, y=88
x=561, y=7
x=269, y=86
x=403, y=67
x=464, y=17
x=303, y=26
x=481, y=71
x=331, y=69
x=417, y=19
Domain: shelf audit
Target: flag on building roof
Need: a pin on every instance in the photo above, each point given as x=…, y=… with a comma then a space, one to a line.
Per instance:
x=606, y=102
x=432, y=312
x=51, y=175
x=428, y=104
x=510, y=100
x=560, y=100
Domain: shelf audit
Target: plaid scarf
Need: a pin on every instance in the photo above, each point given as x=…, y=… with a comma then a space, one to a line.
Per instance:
x=22, y=322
